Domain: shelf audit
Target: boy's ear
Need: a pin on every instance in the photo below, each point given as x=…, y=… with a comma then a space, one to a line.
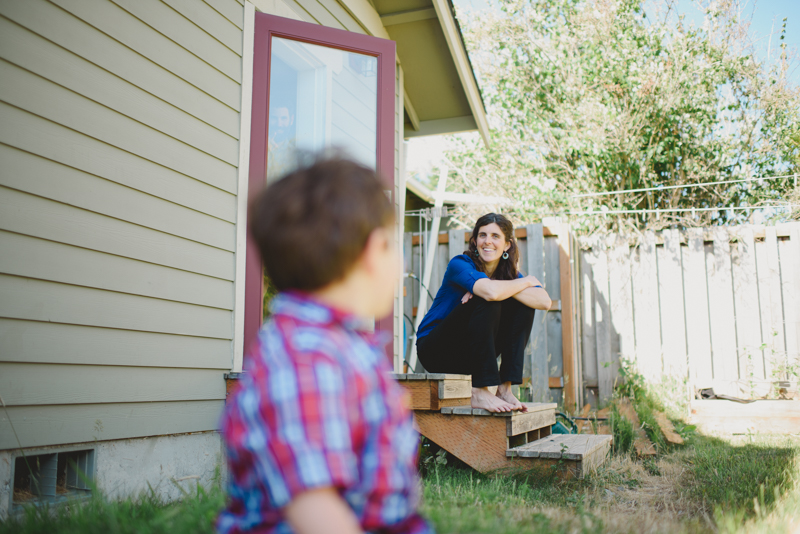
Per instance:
x=377, y=243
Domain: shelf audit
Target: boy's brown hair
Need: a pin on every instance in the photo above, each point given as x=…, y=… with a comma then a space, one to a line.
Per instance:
x=312, y=226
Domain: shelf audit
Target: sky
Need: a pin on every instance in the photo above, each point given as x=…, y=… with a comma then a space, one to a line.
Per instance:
x=767, y=18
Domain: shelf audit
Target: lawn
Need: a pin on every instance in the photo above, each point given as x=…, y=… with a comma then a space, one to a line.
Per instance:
x=744, y=483
x=737, y=484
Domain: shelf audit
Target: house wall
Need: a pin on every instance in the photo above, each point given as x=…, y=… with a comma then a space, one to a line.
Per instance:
x=119, y=142
x=119, y=223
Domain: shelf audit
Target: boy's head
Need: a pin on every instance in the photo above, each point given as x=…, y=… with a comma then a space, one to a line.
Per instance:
x=322, y=223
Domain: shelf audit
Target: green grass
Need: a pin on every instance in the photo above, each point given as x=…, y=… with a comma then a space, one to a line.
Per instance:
x=736, y=484
x=195, y=514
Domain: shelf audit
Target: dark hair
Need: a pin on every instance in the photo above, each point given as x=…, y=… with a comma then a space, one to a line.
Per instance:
x=506, y=269
x=312, y=226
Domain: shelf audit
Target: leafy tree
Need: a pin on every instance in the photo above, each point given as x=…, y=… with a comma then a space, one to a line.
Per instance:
x=589, y=96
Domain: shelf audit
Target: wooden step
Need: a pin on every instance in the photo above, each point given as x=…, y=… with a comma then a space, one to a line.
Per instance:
x=539, y=415
x=434, y=391
x=573, y=454
x=480, y=438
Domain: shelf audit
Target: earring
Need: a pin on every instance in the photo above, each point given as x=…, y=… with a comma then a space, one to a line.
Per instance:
x=505, y=255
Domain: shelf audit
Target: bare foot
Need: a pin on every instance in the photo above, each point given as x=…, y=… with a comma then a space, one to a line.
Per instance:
x=483, y=398
x=504, y=392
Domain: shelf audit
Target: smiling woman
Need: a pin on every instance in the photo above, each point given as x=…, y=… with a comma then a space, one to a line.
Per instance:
x=483, y=309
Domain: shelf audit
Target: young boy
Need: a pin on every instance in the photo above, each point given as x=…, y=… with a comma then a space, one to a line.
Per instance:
x=317, y=436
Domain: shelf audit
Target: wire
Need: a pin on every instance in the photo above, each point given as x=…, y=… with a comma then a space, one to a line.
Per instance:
x=414, y=276
x=665, y=187
x=679, y=210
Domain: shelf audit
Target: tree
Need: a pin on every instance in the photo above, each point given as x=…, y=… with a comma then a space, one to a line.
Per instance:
x=592, y=96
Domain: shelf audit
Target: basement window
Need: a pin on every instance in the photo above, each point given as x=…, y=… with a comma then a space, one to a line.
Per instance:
x=52, y=478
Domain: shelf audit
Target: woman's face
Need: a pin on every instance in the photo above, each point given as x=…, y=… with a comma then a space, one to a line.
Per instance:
x=491, y=243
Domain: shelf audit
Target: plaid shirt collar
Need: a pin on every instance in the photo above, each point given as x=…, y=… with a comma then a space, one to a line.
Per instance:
x=303, y=307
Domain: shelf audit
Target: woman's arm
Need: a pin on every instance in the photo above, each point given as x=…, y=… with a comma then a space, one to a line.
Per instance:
x=534, y=297
x=521, y=289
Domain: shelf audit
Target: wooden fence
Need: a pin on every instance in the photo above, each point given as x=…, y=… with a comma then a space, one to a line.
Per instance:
x=718, y=307
x=551, y=359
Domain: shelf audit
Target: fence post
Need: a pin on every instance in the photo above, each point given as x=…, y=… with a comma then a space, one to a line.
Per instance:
x=540, y=373
x=570, y=366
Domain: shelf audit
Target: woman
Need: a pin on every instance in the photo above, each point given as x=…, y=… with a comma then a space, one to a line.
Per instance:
x=484, y=309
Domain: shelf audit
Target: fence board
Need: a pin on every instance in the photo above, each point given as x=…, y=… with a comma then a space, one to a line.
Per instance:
x=778, y=340
x=455, y=243
x=673, y=320
x=789, y=252
x=570, y=364
x=623, y=340
x=540, y=372
x=698, y=335
x=602, y=313
x=721, y=318
x=552, y=283
x=588, y=332
x=645, y=310
x=747, y=316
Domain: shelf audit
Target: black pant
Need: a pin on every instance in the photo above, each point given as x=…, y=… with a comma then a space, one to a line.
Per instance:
x=469, y=340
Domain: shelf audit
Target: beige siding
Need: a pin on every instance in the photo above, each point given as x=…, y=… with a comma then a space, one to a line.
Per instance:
x=119, y=132
x=38, y=426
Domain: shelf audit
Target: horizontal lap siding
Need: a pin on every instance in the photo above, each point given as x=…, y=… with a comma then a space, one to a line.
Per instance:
x=119, y=128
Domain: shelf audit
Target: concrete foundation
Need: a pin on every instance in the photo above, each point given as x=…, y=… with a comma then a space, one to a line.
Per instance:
x=125, y=467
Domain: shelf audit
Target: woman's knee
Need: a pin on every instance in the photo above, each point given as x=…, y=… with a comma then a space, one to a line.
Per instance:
x=488, y=306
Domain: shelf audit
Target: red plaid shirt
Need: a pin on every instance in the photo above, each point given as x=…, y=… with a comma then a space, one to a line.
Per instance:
x=318, y=408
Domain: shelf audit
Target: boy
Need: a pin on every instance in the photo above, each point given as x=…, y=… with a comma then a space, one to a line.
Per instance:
x=317, y=437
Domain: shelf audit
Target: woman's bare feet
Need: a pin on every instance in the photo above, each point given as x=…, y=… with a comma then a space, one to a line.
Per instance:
x=504, y=392
x=483, y=398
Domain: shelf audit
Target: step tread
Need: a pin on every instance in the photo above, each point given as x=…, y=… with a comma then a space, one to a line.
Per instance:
x=562, y=446
x=533, y=407
x=430, y=376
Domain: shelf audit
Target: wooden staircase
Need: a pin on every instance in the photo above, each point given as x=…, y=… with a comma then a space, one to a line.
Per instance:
x=497, y=441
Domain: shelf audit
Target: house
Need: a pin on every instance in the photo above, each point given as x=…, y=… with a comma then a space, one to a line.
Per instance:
x=133, y=132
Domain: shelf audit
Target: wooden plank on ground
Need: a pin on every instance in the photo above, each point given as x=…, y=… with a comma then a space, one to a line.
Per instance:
x=720, y=293
x=745, y=295
x=540, y=371
x=643, y=445
x=673, y=320
x=645, y=307
x=667, y=429
x=696, y=297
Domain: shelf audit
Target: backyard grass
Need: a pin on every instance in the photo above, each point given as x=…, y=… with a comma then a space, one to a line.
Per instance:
x=737, y=484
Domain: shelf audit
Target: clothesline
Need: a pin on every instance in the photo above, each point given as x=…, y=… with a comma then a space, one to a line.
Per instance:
x=677, y=210
x=667, y=187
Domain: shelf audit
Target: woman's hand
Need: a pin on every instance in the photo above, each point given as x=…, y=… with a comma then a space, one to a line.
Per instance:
x=466, y=297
